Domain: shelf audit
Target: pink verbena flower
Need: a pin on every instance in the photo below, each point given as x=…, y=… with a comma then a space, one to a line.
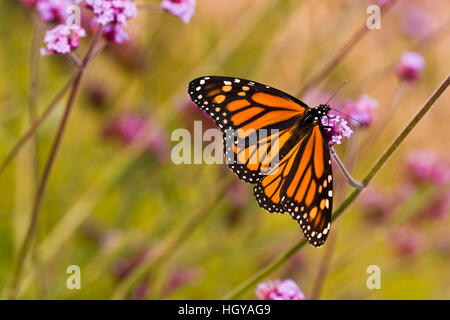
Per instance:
x=361, y=111
x=378, y=205
x=140, y=132
x=183, y=9
x=410, y=66
x=126, y=127
x=417, y=22
x=339, y=129
x=406, y=241
x=115, y=33
x=62, y=39
x=53, y=10
x=438, y=208
x=113, y=11
x=29, y=3
x=113, y=16
x=424, y=166
x=384, y=3
x=238, y=194
x=279, y=290
x=179, y=278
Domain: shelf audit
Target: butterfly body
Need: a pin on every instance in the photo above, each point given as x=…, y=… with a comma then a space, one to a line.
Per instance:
x=277, y=142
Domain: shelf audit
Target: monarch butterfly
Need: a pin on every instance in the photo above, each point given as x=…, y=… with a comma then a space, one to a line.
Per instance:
x=291, y=166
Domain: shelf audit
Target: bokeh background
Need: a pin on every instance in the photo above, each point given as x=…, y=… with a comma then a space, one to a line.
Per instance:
x=112, y=205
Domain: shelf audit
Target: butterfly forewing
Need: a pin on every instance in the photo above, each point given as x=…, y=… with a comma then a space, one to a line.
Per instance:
x=257, y=121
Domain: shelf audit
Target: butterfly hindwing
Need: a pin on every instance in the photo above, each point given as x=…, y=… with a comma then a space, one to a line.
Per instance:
x=301, y=185
x=308, y=190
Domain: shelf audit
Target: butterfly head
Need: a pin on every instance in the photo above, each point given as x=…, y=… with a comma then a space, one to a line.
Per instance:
x=320, y=111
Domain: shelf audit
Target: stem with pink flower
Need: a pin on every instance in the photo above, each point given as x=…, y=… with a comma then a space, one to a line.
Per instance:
x=253, y=280
x=26, y=245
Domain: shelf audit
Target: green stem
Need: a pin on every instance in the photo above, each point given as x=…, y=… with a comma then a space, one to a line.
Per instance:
x=33, y=90
x=250, y=282
x=26, y=245
x=173, y=243
x=30, y=132
x=51, y=106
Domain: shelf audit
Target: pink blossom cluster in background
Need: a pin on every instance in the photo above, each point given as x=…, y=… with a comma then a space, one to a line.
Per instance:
x=279, y=290
x=183, y=9
x=139, y=131
x=410, y=66
x=423, y=168
x=113, y=16
x=63, y=38
x=361, y=112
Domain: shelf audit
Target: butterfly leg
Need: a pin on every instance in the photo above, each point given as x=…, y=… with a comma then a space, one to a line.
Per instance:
x=348, y=177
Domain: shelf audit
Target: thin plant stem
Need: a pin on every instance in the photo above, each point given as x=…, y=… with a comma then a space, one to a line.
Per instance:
x=264, y=272
x=77, y=61
x=34, y=89
x=30, y=132
x=149, y=6
x=387, y=116
x=27, y=243
x=359, y=34
x=173, y=243
x=34, y=147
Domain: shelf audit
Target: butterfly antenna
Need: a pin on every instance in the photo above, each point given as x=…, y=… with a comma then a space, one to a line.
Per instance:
x=337, y=90
x=339, y=111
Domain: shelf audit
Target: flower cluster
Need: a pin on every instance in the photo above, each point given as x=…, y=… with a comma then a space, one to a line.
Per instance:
x=417, y=22
x=113, y=16
x=378, y=205
x=438, y=208
x=51, y=10
x=337, y=128
x=424, y=166
x=183, y=9
x=410, y=66
x=139, y=131
x=406, y=241
x=279, y=290
x=361, y=111
x=62, y=39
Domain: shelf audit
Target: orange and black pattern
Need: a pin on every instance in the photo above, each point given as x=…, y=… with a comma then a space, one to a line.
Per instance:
x=290, y=163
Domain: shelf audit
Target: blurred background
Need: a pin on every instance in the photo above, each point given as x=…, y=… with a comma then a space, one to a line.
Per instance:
x=140, y=227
